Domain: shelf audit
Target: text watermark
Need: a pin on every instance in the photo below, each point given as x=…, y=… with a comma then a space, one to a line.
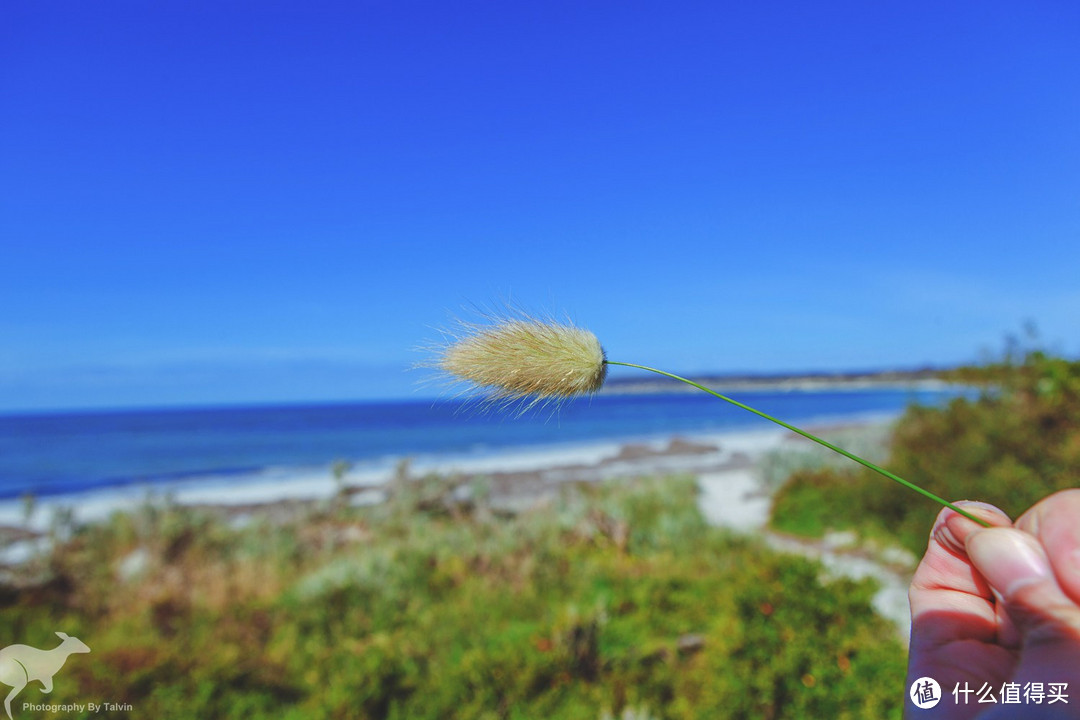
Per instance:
x=926, y=693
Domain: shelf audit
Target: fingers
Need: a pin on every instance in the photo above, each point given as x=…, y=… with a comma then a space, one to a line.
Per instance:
x=1055, y=521
x=946, y=585
x=945, y=565
x=954, y=622
x=1017, y=568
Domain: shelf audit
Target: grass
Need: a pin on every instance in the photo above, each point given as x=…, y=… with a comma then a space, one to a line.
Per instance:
x=613, y=600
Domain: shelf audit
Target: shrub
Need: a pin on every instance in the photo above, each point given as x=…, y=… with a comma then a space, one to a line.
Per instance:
x=615, y=598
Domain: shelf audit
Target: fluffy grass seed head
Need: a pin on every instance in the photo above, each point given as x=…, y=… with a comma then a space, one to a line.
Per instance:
x=524, y=359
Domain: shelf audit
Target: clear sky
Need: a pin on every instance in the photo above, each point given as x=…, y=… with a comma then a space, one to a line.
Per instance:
x=231, y=202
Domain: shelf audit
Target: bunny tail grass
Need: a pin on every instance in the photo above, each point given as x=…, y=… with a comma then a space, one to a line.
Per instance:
x=809, y=436
x=526, y=359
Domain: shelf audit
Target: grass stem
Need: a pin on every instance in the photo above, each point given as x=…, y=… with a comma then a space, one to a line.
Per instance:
x=809, y=436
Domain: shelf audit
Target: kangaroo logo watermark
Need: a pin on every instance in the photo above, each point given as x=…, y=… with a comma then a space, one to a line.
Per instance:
x=21, y=665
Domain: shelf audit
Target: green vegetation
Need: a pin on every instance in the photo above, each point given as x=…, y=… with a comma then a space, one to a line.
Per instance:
x=1013, y=444
x=612, y=601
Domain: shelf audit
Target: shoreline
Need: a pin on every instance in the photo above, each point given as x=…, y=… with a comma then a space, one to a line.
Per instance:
x=796, y=384
x=635, y=454
x=515, y=477
x=619, y=456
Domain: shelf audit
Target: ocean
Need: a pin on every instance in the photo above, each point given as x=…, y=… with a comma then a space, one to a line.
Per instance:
x=59, y=454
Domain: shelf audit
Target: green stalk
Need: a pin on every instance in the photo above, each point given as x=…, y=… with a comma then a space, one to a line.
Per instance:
x=845, y=453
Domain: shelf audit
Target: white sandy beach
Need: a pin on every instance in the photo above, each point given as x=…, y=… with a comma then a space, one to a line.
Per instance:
x=568, y=462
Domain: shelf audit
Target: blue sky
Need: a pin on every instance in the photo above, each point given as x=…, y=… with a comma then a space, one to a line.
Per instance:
x=258, y=202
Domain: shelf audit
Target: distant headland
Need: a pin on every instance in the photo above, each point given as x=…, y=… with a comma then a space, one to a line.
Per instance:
x=924, y=378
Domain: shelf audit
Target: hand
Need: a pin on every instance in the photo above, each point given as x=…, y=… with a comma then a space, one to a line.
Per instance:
x=998, y=605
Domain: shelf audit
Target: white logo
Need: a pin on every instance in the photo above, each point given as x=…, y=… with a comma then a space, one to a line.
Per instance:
x=925, y=693
x=21, y=665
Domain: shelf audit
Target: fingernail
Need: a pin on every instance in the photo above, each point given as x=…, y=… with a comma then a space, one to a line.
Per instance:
x=982, y=510
x=944, y=535
x=951, y=527
x=1008, y=559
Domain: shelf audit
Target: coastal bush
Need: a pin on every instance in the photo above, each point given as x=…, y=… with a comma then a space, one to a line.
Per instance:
x=612, y=600
x=1014, y=443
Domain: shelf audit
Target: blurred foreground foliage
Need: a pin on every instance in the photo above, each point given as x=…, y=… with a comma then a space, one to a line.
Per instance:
x=1013, y=443
x=613, y=601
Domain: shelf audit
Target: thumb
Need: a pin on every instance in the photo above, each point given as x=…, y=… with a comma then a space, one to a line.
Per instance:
x=1017, y=568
